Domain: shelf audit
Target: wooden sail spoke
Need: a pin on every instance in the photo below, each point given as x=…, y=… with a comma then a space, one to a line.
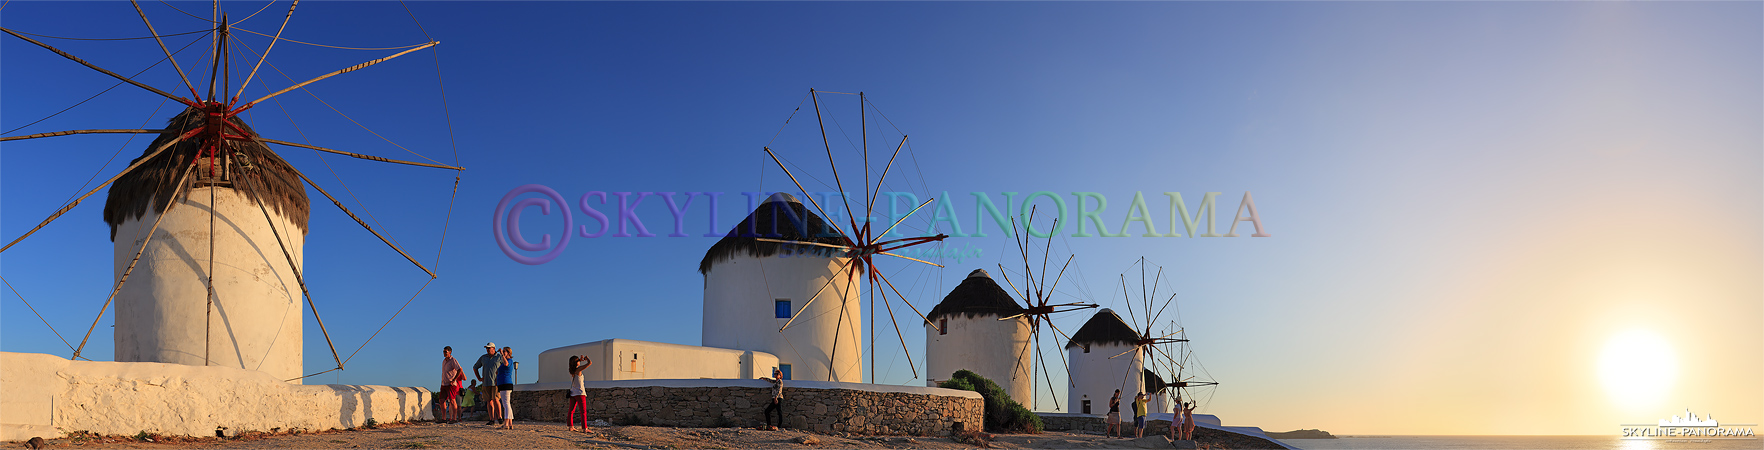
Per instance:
x=805, y=194
x=162, y=47
x=817, y=244
x=903, y=346
x=909, y=214
x=815, y=296
x=266, y=52
x=1131, y=350
x=870, y=207
x=357, y=155
x=344, y=70
x=74, y=132
x=903, y=298
x=1007, y=277
x=364, y=225
x=909, y=258
x=299, y=277
x=825, y=144
x=83, y=62
x=179, y=187
x=138, y=163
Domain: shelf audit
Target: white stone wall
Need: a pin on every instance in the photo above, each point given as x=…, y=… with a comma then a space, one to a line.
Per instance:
x=47, y=396
x=162, y=313
x=996, y=349
x=1095, y=377
x=738, y=313
x=626, y=359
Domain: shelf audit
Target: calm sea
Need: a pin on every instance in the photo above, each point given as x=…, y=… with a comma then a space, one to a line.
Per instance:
x=1517, y=442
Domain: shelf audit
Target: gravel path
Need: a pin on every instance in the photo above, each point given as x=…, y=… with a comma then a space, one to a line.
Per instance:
x=553, y=435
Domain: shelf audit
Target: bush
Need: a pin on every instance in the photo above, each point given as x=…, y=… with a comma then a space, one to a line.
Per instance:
x=1003, y=415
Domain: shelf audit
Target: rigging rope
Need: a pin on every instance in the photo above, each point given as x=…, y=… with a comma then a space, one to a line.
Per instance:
x=254, y=14
x=329, y=46
x=334, y=174
x=204, y=19
x=119, y=83
x=34, y=311
x=388, y=321
x=340, y=112
x=113, y=156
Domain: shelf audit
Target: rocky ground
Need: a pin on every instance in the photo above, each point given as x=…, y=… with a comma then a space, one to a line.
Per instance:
x=554, y=435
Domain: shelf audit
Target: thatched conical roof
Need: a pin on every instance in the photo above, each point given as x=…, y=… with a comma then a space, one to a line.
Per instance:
x=1104, y=328
x=256, y=172
x=978, y=295
x=781, y=217
x=1153, y=383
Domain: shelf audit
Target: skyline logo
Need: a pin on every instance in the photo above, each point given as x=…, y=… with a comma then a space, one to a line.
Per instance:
x=1689, y=428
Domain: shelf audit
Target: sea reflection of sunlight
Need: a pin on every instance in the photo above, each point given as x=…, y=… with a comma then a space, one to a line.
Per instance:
x=1637, y=444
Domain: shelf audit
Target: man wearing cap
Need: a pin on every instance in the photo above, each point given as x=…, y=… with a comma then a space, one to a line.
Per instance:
x=485, y=369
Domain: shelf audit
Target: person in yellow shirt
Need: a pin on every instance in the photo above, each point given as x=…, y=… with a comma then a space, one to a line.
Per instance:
x=1139, y=415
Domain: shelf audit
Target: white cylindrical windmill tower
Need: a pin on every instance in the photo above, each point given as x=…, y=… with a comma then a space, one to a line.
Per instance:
x=1095, y=376
x=222, y=215
x=969, y=336
x=753, y=287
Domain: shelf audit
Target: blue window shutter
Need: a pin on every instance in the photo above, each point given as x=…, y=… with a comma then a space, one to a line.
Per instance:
x=782, y=308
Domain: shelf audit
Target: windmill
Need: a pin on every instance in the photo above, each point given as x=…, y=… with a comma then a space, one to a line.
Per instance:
x=1166, y=354
x=1037, y=295
x=860, y=244
x=252, y=196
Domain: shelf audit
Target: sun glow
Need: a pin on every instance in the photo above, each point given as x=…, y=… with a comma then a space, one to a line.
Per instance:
x=1638, y=368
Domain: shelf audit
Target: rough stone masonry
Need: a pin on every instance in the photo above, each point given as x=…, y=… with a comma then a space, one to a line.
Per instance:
x=815, y=409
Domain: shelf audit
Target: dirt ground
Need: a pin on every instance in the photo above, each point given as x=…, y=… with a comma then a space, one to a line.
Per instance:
x=554, y=435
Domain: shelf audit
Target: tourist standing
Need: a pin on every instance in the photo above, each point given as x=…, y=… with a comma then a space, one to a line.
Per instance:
x=1139, y=415
x=1188, y=421
x=1114, y=419
x=578, y=392
x=451, y=375
x=485, y=369
x=777, y=403
x=505, y=387
x=1176, y=420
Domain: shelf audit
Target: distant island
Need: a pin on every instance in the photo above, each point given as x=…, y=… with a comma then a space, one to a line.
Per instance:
x=1302, y=434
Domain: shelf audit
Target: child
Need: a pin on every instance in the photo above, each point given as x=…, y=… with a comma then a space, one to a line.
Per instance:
x=578, y=393
x=468, y=398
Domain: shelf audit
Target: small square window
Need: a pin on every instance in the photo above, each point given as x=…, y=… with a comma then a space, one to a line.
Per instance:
x=942, y=326
x=785, y=370
x=1086, y=348
x=781, y=308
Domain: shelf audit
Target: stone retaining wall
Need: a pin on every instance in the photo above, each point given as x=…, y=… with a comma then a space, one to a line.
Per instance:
x=1077, y=423
x=738, y=403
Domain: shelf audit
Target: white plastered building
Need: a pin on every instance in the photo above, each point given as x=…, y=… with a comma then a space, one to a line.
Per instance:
x=626, y=359
x=969, y=335
x=1094, y=374
x=753, y=287
x=163, y=312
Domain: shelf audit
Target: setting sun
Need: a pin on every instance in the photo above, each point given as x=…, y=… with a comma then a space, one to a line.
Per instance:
x=1637, y=367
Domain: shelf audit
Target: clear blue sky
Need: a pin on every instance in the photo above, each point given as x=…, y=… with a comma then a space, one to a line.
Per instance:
x=1469, y=202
